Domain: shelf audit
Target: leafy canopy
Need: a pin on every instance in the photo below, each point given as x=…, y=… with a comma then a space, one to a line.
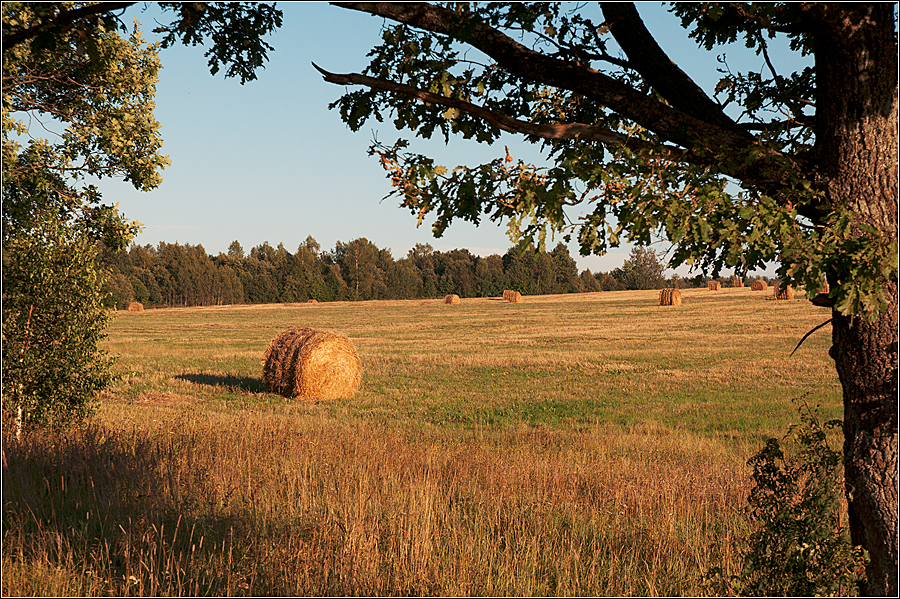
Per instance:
x=629, y=137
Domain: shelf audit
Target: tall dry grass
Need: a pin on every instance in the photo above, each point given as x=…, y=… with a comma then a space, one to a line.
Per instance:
x=274, y=505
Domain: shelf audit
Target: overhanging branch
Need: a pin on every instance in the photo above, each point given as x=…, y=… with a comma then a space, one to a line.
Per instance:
x=62, y=20
x=580, y=131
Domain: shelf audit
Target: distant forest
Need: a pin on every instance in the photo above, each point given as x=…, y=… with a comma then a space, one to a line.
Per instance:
x=185, y=275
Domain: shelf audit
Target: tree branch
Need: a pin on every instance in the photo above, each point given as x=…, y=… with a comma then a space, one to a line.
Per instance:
x=646, y=56
x=580, y=131
x=669, y=123
x=61, y=20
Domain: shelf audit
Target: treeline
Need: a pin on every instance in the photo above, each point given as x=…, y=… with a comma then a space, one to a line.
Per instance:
x=185, y=275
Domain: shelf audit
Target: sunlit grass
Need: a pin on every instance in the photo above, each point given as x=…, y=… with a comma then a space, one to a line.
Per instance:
x=585, y=444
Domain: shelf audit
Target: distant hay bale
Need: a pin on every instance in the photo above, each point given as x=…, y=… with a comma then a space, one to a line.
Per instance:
x=759, y=286
x=515, y=297
x=451, y=299
x=737, y=282
x=135, y=307
x=670, y=297
x=507, y=293
x=713, y=285
x=312, y=301
x=784, y=294
x=306, y=363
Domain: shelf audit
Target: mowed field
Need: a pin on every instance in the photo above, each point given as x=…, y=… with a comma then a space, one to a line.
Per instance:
x=589, y=444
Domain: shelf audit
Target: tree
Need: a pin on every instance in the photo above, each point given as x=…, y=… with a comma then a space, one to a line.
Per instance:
x=97, y=89
x=642, y=270
x=633, y=136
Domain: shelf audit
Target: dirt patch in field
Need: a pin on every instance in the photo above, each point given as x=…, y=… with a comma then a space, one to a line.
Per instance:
x=164, y=399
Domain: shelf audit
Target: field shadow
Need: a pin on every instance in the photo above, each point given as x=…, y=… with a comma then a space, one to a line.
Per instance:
x=246, y=383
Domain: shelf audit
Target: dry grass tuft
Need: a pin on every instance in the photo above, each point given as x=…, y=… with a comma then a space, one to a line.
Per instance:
x=714, y=286
x=670, y=297
x=451, y=299
x=310, y=364
x=135, y=307
x=514, y=297
x=759, y=286
x=786, y=293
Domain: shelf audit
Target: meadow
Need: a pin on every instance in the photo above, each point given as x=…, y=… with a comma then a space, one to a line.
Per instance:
x=586, y=444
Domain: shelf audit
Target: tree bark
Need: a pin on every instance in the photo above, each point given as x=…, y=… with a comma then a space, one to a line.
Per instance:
x=857, y=145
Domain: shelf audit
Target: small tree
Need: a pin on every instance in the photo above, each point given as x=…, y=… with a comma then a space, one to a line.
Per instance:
x=642, y=270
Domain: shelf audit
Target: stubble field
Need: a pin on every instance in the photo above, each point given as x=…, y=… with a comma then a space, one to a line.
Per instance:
x=590, y=444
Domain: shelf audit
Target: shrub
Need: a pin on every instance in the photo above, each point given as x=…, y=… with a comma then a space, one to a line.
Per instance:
x=798, y=545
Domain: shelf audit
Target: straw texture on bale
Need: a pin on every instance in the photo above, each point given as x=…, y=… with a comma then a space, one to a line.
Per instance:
x=737, y=283
x=515, y=297
x=713, y=285
x=451, y=299
x=670, y=297
x=759, y=286
x=784, y=294
x=507, y=293
x=135, y=307
x=306, y=363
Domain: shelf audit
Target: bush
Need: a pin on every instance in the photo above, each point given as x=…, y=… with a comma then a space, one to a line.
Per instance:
x=798, y=545
x=53, y=319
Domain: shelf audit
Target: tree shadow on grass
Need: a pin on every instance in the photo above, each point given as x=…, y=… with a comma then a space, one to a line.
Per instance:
x=246, y=383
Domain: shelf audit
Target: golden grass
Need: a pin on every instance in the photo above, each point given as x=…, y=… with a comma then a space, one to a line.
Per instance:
x=309, y=364
x=586, y=444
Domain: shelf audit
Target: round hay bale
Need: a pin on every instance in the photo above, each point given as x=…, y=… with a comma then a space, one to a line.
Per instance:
x=515, y=297
x=135, y=307
x=737, y=282
x=307, y=363
x=713, y=285
x=312, y=301
x=786, y=293
x=451, y=299
x=670, y=297
x=507, y=293
x=759, y=286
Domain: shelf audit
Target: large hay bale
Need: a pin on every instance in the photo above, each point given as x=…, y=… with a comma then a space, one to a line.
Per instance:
x=451, y=299
x=507, y=293
x=670, y=297
x=135, y=307
x=786, y=293
x=309, y=364
x=759, y=286
x=713, y=285
x=515, y=297
x=737, y=282
x=312, y=301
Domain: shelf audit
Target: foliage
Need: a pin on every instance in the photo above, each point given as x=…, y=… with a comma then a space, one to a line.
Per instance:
x=184, y=275
x=93, y=92
x=666, y=150
x=642, y=270
x=798, y=546
x=53, y=319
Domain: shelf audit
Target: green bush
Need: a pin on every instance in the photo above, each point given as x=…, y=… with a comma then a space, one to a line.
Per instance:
x=798, y=545
x=53, y=319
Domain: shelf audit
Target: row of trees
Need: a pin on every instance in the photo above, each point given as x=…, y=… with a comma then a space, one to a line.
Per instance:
x=185, y=275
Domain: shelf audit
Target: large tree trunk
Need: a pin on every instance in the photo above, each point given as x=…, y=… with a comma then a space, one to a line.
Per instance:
x=857, y=145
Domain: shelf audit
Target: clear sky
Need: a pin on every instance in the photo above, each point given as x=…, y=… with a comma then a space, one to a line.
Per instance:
x=267, y=161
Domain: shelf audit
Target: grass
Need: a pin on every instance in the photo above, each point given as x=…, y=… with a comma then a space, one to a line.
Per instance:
x=590, y=444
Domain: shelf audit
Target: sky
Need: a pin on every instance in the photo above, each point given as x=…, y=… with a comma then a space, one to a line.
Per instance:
x=267, y=160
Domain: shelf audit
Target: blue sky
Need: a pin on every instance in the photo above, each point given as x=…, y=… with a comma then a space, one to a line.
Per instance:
x=267, y=161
